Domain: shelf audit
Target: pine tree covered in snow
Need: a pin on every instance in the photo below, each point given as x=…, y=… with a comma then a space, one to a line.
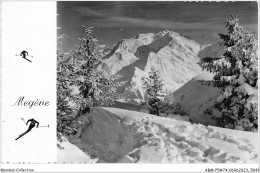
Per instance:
x=154, y=88
x=63, y=96
x=167, y=104
x=96, y=88
x=236, y=77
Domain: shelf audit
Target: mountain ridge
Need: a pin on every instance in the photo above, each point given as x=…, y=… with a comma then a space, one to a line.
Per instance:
x=173, y=55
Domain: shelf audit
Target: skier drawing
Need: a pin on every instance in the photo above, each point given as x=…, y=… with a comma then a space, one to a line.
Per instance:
x=23, y=54
x=33, y=122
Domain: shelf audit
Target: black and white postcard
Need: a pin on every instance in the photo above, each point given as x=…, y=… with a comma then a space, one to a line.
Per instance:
x=129, y=86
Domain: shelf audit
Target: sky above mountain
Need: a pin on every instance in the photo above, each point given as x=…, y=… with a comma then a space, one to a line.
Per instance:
x=117, y=20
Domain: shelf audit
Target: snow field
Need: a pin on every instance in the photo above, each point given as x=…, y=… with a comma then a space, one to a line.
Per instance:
x=122, y=136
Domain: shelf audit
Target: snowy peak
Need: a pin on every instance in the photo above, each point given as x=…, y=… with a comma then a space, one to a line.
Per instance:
x=144, y=36
x=132, y=44
x=154, y=46
x=156, y=41
x=173, y=55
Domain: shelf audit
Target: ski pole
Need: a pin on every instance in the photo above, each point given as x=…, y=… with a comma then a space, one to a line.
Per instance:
x=23, y=120
x=44, y=126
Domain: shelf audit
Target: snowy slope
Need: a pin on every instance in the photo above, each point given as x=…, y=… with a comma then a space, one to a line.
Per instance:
x=122, y=136
x=174, y=56
x=68, y=152
x=195, y=98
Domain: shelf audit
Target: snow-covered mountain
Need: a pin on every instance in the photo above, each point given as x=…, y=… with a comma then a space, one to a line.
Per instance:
x=173, y=55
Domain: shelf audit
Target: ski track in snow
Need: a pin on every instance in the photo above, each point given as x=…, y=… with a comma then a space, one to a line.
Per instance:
x=185, y=143
x=152, y=139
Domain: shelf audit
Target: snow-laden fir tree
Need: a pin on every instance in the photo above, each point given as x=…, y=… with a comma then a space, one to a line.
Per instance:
x=63, y=97
x=168, y=102
x=95, y=88
x=236, y=76
x=154, y=89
